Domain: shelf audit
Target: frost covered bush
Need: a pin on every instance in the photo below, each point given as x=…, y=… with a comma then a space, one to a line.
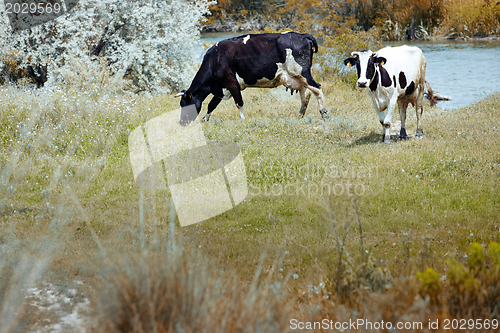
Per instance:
x=148, y=42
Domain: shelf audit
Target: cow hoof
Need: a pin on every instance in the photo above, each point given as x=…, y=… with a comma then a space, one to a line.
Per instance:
x=419, y=134
x=402, y=134
x=386, y=139
x=324, y=114
x=206, y=118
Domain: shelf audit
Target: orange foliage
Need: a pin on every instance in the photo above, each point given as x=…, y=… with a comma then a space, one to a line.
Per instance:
x=393, y=19
x=12, y=69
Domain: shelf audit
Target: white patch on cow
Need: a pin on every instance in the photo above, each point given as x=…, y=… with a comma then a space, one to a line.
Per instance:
x=363, y=57
x=227, y=94
x=245, y=40
x=217, y=44
x=241, y=82
x=291, y=65
x=283, y=33
x=288, y=71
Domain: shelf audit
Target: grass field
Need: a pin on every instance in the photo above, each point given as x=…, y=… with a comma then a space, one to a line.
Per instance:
x=69, y=208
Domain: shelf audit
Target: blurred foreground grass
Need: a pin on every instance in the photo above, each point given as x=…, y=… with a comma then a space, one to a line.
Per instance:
x=66, y=183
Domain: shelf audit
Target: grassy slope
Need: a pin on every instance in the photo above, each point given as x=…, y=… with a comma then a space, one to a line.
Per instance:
x=447, y=196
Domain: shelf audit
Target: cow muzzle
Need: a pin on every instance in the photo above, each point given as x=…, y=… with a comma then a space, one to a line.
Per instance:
x=362, y=84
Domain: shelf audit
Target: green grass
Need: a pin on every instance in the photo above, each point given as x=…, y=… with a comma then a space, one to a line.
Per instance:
x=420, y=201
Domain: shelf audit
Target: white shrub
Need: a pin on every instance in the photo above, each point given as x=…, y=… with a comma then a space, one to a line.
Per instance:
x=148, y=42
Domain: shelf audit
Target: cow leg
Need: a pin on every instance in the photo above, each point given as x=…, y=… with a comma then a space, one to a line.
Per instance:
x=390, y=112
x=317, y=92
x=386, y=136
x=419, y=106
x=321, y=103
x=402, y=113
x=235, y=91
x=305, y=95
x=211, y=106
x=386, y=121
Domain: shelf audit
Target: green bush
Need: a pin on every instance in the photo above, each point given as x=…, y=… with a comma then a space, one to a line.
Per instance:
x=430, y=285
x=472, y=291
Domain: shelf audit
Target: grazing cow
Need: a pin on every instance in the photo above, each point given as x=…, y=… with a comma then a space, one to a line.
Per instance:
x=393, y=75
x=255, y=60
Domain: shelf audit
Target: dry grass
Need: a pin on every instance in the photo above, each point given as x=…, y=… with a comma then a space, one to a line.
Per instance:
x=470, y=18
x=166, y=288
x=65, y=165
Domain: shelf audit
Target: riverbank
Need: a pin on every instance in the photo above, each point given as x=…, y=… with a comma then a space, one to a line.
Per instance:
x=466, y=38
x=261, y=26
x=399, y=21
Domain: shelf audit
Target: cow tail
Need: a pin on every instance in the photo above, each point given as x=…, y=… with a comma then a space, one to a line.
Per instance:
x=314, y=43
x=430, y=94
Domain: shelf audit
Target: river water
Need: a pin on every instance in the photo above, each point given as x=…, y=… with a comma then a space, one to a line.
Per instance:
x=467, y=71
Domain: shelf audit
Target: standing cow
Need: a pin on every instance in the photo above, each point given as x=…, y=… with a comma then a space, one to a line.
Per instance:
x=393, y=75
x=255, y=60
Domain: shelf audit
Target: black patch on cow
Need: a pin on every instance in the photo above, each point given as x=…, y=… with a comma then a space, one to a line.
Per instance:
x=370, y=69
x=394, y=79
x=358, y=69
x=402, y=80
x=410, y=89
x=385, y=78
x=374, y=83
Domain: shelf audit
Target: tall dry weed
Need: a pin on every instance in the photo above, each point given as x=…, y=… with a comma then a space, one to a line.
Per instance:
x=19, y=270
x=53, y=144
x=167, y=287
x=470, y=18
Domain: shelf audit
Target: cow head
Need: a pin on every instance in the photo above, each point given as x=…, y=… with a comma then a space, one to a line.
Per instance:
x=187, y=98
x=365, y=62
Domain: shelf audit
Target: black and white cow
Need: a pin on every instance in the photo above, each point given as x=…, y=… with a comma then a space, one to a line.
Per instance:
x=393, y=75
x=255, y=60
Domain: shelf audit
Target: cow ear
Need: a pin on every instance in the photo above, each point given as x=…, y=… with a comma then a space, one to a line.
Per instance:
x=380, y=60
x=349, y=62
